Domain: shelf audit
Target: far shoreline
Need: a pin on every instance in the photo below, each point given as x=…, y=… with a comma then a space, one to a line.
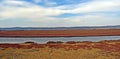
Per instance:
x=59, y=33
x=52, y=36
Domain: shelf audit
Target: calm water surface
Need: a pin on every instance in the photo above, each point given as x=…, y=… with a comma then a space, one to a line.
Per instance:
x=64, y=39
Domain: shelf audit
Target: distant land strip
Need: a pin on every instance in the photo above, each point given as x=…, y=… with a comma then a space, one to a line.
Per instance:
x=59, y=33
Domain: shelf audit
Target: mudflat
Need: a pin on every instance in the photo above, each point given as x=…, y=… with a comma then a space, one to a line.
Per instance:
x=59, y=33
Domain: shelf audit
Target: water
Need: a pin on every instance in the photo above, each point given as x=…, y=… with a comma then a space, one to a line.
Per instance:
x=64, y=39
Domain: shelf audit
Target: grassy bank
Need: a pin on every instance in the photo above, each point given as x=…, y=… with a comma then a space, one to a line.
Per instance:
x=62, y=50
x=51, y=53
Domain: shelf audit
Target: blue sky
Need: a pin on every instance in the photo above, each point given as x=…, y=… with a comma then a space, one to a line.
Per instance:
x=59, y=13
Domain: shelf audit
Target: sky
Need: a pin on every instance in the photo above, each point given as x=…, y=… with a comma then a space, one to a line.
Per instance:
x=59, y=13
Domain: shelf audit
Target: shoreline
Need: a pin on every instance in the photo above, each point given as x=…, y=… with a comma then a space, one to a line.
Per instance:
x=62, y=42
x=75, y=45
x=52, y=36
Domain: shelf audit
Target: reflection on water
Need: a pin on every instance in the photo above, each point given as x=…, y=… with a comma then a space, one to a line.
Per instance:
x=64, y=39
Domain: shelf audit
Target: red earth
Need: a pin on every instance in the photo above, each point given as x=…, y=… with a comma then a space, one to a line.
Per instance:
x=59, y=33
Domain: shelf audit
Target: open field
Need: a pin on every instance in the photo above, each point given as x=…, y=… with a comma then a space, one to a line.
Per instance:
x=62, y=50
x=59, y=33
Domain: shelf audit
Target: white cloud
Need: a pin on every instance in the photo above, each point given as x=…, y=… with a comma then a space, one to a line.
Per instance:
x=12, y=8
x=96, y=6
x=28, y=10
x=20, y=9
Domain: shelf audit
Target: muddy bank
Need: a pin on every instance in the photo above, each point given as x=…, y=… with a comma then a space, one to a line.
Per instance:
x=60, y=33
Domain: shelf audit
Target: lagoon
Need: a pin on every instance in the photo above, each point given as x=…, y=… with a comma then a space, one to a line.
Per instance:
x=63, y=39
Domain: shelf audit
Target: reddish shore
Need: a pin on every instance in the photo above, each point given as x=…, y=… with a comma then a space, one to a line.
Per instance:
x=59, y=33
x=107, y=45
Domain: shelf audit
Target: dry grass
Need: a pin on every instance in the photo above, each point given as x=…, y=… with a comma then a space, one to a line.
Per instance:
x=71, y=50
x=52, y=53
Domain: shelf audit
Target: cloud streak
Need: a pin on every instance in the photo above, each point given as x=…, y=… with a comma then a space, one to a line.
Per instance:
x=90, y=12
